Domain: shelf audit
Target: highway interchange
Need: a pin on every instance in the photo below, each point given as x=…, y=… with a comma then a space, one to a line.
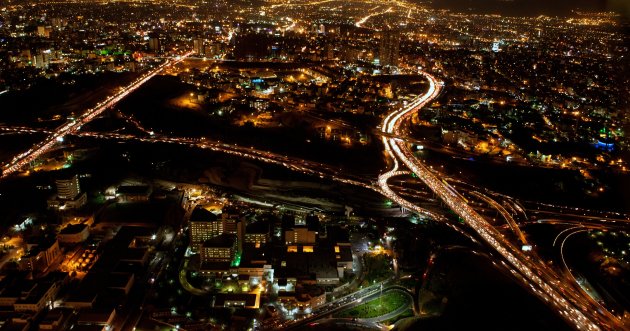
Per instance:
x=567, y=298
x=573, y=305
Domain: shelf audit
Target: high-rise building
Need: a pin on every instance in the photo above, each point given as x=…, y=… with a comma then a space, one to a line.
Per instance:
x=389, y=48
x=154, y=43
x=219, y=249
x=300, y=235
x=198, y=47
x=69, y=194
x=204, y=226
x=257, y=233
x=44, y=31
x=39, y=61
x=68, y=188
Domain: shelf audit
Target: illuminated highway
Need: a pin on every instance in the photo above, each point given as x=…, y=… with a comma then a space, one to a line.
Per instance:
x=362, y=21
x=314, y=3
x=573, y=305
x=296, y=164
x=72, y=126
x=506, y=215
x=579, y=310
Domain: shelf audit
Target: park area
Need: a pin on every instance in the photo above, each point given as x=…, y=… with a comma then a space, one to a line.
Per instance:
x=389, y=302
x=378, y=268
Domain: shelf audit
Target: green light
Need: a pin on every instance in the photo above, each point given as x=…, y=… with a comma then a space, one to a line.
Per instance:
x=237, y=259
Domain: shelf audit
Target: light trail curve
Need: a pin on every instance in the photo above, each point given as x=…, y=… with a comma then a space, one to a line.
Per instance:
x=581, y=312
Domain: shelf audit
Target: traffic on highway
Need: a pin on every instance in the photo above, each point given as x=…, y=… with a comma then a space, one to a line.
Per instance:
x=73, y=125
x=574, y=306
x=569, y=301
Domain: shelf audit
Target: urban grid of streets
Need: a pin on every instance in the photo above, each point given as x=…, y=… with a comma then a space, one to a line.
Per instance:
x=570, y=301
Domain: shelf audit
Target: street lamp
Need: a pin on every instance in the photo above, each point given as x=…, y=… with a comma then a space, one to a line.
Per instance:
x=380, y=297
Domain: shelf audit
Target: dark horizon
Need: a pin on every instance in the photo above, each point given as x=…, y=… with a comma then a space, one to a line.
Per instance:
x=530, y=7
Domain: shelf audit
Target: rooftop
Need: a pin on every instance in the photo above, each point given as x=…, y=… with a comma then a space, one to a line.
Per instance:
x=225, y=240
x=202, y=215
x=134, y=190
x=73, y=228
x=221, y=298
x=259, y=227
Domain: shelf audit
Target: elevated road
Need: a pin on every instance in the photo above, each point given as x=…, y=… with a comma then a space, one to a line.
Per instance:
x=293, y=163
x=576, y=308
x=72, y=126
x=579, y=310
x=506, y=215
